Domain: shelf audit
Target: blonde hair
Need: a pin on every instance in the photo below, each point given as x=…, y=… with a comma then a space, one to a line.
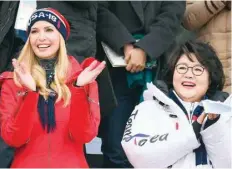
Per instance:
x=27, y=56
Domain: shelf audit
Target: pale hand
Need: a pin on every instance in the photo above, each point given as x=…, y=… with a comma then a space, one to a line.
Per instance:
x=211, y=116
x=23, y=75
x=127, y=51
x=137, y=60
x=89, y=74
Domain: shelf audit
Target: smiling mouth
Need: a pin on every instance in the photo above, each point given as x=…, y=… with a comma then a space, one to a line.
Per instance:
x=188, y=84
x=43, y=46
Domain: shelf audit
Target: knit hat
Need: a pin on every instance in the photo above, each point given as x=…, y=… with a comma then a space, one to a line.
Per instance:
x=52, y=16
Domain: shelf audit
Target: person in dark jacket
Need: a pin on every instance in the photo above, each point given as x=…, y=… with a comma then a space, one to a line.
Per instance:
x=9, y=43
x=120, y=24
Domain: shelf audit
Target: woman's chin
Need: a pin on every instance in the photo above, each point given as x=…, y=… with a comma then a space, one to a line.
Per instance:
x=45, y=56
x=189, y=96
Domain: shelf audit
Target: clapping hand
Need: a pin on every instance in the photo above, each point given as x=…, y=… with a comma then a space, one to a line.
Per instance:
x=90, y=73
x=24, y=75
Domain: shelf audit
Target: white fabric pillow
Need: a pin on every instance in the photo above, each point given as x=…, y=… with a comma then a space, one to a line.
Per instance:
x=157, y=133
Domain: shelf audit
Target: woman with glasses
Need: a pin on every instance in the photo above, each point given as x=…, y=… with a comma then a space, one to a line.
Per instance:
x=195, y=73
x=173, y=130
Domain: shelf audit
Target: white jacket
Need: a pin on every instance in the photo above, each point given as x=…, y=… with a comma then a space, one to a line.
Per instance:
x=217, y=140
x=144, y=148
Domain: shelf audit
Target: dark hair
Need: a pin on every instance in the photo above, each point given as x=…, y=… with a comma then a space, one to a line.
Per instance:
x=206, y=55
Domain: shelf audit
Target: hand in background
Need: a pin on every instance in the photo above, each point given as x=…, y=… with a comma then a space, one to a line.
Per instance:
x=90, y=73
x=24, y=75
x=136, y=61
x=127, y=50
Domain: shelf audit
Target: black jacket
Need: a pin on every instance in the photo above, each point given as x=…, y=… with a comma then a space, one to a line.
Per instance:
x=159, y=20
x=8, y=48
x=6, y=154
x=117, y=21
x=8, y=12
x=9, y=44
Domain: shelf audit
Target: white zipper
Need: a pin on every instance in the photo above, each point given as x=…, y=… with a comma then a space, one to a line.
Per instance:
x=191, y=112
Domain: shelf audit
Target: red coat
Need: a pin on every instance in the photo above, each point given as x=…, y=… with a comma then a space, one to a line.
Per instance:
x=76, y=124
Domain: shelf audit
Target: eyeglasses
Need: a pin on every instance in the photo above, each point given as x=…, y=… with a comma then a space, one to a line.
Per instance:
x=196, y=70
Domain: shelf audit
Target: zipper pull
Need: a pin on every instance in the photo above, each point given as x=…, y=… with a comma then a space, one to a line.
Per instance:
x=191, y=112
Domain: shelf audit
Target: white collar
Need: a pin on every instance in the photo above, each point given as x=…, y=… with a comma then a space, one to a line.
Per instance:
x=188, y=105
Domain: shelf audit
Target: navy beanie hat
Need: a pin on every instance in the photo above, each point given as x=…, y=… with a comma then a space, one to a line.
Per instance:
x=52, y=16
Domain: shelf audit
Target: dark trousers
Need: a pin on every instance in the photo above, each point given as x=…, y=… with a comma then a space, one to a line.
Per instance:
x=113, y=125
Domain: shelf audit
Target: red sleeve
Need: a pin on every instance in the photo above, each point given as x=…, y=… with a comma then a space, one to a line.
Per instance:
x=84, y=113
x=16, y=114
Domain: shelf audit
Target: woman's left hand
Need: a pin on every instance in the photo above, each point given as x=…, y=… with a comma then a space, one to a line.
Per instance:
x=90, y=73
x=212, y=116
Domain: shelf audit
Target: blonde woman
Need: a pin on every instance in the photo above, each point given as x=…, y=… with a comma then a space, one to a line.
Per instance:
x=49, y=104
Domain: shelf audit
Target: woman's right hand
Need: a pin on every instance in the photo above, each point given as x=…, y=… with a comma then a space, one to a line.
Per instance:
x=90, y=73
x=211, y=116
x=23, y=75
